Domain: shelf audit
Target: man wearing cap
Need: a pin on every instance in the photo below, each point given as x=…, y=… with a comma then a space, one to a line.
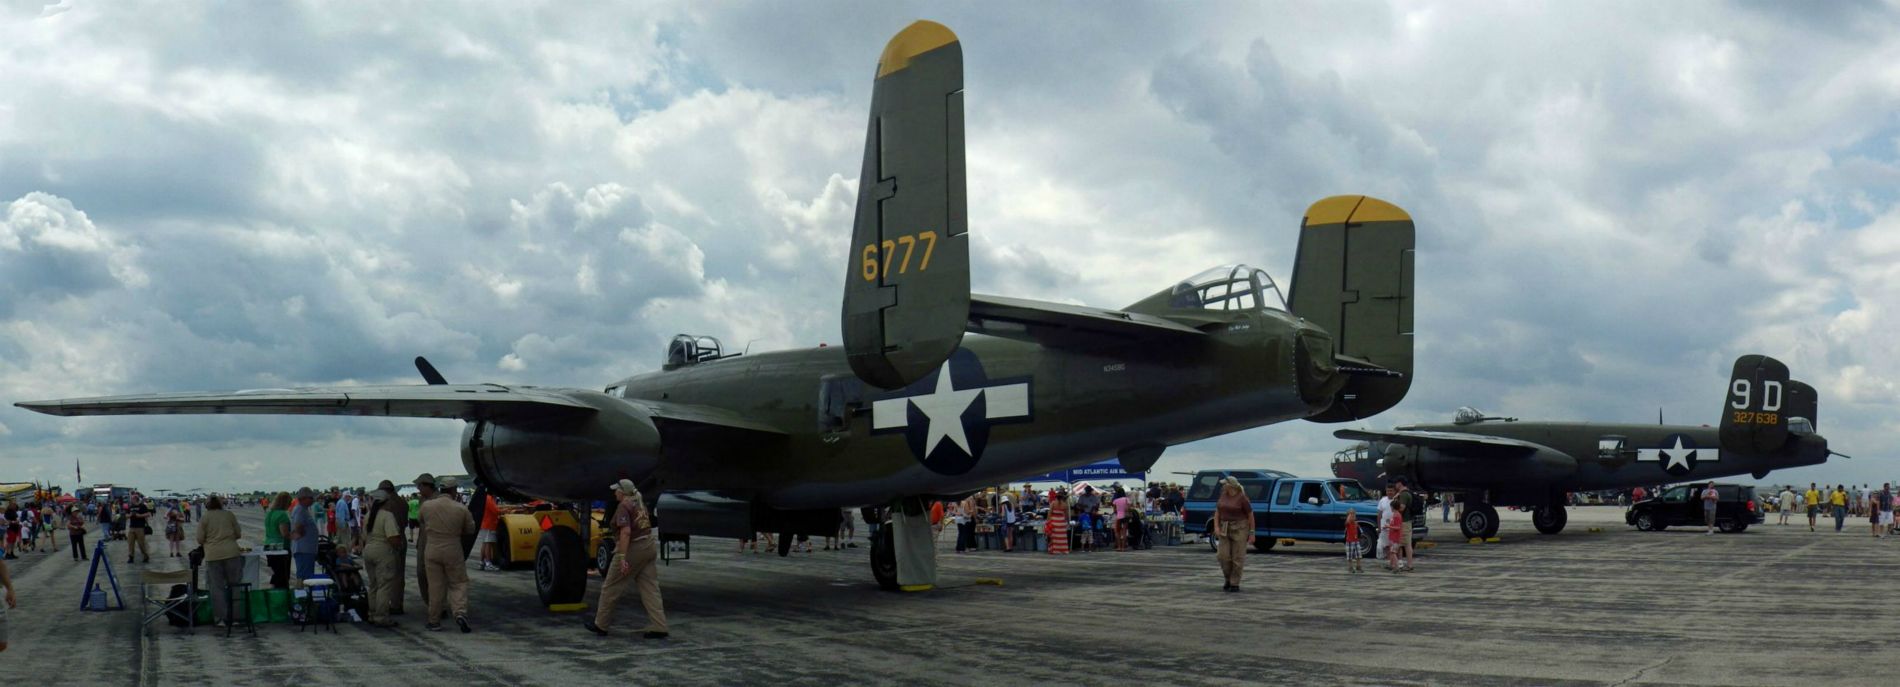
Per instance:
x=382, y=556
x=444, y=522
x=399, y=507
x=303, y=534
x=636, y=558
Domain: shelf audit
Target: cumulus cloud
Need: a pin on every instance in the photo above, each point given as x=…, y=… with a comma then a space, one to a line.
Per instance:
x=1613, y=203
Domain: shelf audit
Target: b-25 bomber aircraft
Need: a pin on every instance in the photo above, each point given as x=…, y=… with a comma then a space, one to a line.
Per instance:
x=1768, y=423
x=935, y=392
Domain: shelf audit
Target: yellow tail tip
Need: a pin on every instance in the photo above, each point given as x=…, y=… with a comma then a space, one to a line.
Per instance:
x=920, y=37
x=1356, y=209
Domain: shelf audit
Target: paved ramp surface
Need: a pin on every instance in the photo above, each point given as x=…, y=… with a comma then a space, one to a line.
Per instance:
x=1772, y=606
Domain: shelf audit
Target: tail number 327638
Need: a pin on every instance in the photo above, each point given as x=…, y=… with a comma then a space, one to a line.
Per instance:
x=876, y=263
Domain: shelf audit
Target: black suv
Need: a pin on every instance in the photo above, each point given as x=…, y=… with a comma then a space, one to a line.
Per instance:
x=1735, y=508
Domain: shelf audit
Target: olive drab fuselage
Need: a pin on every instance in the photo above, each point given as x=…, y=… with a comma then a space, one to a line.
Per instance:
x=1081, y=406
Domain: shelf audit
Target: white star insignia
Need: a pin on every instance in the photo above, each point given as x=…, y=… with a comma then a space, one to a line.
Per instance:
x=944, y=407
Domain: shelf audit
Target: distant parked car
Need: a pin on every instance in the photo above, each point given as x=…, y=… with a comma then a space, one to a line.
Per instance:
x=1735, y=508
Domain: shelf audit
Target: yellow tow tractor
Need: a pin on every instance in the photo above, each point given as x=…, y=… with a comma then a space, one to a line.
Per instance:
x=518, y=533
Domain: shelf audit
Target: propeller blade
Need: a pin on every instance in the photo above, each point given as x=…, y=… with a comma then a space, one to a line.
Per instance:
x=428, y=371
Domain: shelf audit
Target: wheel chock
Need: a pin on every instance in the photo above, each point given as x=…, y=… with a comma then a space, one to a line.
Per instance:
x=1285, y=542
x=916, y=587
x=1427, y=544
x=991, y=581
x=1474, y=540
x=1597, y=530
x=1492, y=540
x=567, y=608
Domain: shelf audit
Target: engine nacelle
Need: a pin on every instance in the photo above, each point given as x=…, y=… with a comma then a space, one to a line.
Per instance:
x=1432, y=470
x=564, y=459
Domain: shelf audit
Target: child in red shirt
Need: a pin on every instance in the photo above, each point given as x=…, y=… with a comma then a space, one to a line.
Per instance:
x=1354, y=549
x=1391, y=527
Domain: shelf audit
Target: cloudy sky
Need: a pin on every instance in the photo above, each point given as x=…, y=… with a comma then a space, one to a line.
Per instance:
x=1614, y=200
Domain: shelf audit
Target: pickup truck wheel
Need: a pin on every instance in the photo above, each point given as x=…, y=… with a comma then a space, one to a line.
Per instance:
x=1725, y=526
x=1740, y=527
x=1369, y=537
x=1263, y=544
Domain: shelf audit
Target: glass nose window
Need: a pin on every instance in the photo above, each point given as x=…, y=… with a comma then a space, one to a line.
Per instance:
x=1229, y=287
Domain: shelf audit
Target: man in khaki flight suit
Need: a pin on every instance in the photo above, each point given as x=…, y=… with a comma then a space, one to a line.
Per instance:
x=444, y=522
x=382, y=555
x=636, y=559
x=399, y=506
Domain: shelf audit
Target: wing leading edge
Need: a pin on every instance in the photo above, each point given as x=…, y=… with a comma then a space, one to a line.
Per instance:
x=461, y=401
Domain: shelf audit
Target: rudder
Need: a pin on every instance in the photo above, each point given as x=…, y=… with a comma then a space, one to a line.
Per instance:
x=907, y=286
x=1353, y=277
x=1754, y=414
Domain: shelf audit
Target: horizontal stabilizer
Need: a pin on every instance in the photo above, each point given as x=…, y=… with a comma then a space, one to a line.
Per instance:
x=463, y=401
x=1056, y=324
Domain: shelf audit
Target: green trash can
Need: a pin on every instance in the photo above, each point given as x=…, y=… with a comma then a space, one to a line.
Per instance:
x=204, y=608
x=278, y=602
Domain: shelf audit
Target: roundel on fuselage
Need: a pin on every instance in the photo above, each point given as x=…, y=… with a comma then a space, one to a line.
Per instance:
x=946, y=416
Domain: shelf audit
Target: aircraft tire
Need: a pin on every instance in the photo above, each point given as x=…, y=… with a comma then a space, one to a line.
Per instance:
x=1480, y=521
x=604, y=556
x=502, y=552
x=884, y=559
x=1550, y=519
x=560, y=567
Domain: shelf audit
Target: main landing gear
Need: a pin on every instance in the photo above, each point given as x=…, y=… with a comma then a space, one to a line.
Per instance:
x=1550, y=518
x=1480, y=521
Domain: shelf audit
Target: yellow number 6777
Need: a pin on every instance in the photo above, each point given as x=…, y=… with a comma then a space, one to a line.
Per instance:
x=876, y=263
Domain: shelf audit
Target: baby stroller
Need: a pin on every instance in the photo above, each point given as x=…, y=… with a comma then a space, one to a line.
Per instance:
x=347, y=572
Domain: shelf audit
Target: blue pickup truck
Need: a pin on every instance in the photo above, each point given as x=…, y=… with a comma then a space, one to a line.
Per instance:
x=1289, y=507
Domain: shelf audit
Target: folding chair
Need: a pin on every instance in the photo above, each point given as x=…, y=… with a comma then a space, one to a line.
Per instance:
x=167, y=604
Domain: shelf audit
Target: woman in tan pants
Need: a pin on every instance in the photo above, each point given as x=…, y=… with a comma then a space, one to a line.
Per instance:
x=1233, y=527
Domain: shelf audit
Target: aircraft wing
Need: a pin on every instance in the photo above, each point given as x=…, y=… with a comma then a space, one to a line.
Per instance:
x=1059, y=324
x=464, y=401
x=1450, y=443
x=705, y=418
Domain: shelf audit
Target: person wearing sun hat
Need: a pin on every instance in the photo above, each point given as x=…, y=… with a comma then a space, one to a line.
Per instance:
x=636, y=559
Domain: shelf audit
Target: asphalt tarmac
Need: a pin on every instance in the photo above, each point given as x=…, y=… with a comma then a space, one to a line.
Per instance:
x=1775, y=605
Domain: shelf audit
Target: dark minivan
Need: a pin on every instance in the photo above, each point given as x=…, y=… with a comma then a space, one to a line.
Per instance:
x=1735, y=508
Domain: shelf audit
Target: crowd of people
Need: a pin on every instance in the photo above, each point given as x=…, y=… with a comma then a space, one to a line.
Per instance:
x=361, y=534
x=1840, y=502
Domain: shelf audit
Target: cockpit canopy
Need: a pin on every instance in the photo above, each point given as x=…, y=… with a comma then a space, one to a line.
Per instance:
x=1467, y=415
x=1229, y=287
x=687, y=349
